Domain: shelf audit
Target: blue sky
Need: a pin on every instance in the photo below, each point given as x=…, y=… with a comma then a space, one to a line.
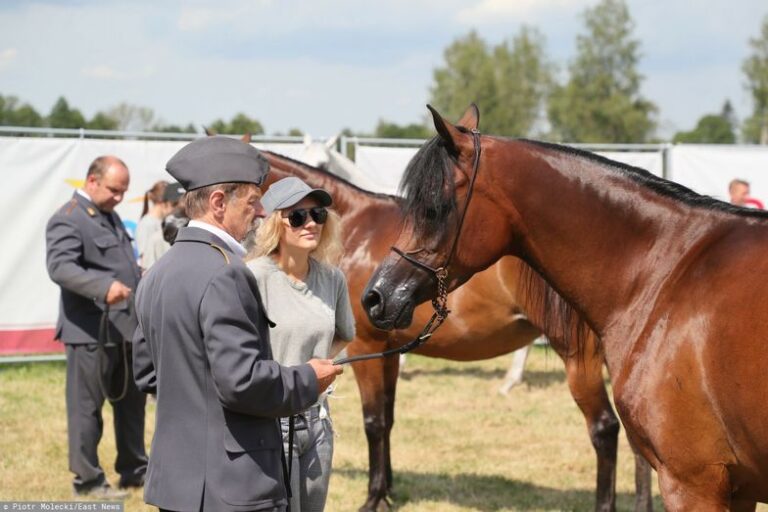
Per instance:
x=325, y=65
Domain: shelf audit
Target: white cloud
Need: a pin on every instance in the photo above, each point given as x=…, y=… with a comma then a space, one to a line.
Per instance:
x=7, y=57
x=502, y=11
x=194, y=19
x=201, y=18
x=102, y=73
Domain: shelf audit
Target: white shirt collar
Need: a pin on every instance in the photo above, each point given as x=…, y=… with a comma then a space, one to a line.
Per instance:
x=233, y=244
x=84, y=194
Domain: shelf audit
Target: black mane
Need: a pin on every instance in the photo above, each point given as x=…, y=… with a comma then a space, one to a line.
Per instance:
x=659, y=185
x=428, y=188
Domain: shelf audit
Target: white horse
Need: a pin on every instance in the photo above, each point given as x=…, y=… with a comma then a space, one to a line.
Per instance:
x=323, y=154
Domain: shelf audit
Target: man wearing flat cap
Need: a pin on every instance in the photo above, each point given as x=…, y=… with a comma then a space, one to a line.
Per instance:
x=202, y=347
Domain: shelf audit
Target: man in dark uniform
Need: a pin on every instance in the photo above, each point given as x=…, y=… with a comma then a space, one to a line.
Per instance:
x=90, y=256
x=202, y=346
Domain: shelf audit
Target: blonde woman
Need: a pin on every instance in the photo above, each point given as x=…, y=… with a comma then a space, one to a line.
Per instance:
x=305, y=295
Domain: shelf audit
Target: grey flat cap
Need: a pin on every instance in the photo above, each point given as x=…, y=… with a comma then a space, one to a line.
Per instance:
x=218, y=159
x=287, y=192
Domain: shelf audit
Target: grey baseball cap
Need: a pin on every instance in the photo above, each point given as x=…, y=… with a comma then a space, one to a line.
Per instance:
x=213, y=160
x=287, y=192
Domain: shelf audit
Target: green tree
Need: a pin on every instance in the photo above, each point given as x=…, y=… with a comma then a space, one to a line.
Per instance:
x=601, y=101
x=13, y=113
x=218, y=126
x=102, y=121
x=468, y=76
x=508, y=82
x=62, y=116
x=132, y=117
x=174, y=128
x=755, y=69
x=239, y=125
x=523, y=77
x=712, y=129
x=395, y=131
x=295, y=132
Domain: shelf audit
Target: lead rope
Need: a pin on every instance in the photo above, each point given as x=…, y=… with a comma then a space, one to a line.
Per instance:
x=103, y=340
x=288, y=460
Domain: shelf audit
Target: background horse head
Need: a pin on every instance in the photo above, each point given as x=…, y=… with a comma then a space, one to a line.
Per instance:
x=323, y=155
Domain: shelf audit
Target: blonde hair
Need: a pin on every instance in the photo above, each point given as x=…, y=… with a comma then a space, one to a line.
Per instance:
x=269, y=233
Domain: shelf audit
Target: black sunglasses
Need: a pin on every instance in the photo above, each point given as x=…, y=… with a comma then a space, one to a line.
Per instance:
x=298, y=217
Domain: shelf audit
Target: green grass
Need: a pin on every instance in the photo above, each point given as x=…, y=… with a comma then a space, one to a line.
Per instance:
x=457, y=444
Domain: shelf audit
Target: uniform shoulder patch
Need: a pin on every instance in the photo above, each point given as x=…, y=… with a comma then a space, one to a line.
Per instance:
x=222, y=251
x=69, y=207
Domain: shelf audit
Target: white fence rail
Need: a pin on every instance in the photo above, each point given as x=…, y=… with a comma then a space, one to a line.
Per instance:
x=42, y=167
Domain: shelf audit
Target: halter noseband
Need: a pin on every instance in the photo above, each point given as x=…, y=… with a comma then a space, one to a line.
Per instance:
x=440, y=302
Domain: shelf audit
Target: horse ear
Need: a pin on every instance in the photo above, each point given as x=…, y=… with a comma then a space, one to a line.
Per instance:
x=448, y=132
x=471, y=118
x=209, y=132
x=331, y=143
x=307, y=139
x=246, y=138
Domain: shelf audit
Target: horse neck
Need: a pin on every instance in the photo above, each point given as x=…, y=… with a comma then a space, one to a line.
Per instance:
x=606, y=243
x=346, y=197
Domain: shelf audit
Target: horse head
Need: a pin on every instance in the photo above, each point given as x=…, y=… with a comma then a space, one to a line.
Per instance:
x=445, y=229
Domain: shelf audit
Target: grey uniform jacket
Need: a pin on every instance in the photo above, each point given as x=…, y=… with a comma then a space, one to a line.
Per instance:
x=202, y=346
x=85, y=253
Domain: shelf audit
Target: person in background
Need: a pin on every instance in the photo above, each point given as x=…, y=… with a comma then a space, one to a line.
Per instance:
x=739, y=191
x=202, y=348
x=155, y=209
x=89, y=255
x=305, y=295
x=157, y=245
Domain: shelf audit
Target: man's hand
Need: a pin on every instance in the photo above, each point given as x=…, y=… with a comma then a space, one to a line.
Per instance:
x=325, y=371
x=117, y=292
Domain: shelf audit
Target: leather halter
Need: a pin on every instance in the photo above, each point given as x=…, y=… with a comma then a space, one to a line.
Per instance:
x=440, y=302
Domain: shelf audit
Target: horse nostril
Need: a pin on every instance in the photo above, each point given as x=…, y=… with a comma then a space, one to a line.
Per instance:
x=372, y=302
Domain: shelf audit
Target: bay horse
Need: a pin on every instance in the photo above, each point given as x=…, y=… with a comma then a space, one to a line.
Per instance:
x=487, y=321
x=673, y=283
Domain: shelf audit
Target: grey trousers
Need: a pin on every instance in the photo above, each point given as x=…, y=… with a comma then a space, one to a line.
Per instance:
x=312, y=458
x=84, y=421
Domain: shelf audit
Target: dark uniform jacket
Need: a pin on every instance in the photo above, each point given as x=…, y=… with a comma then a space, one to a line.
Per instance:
x=85, y=253
x=202, y=346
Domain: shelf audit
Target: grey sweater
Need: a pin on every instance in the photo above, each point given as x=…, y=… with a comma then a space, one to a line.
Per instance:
x=308, y=315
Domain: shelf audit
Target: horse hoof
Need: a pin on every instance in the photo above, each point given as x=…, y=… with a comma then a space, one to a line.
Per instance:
x=377, y=505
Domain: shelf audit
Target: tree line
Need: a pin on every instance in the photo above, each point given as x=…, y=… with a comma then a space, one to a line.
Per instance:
x=600, y=101
x=516, y=85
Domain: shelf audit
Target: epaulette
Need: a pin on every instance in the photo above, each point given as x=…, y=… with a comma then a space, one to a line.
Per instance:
x=91, y=211
x=69, y=206
x=223, y=253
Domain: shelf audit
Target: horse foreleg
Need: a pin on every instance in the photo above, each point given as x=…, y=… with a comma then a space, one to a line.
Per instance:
x=585, y=380
x=643, y=495
x=376, y=380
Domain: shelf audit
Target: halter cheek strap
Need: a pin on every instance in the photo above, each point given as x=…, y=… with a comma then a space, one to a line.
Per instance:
x=440, y=302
